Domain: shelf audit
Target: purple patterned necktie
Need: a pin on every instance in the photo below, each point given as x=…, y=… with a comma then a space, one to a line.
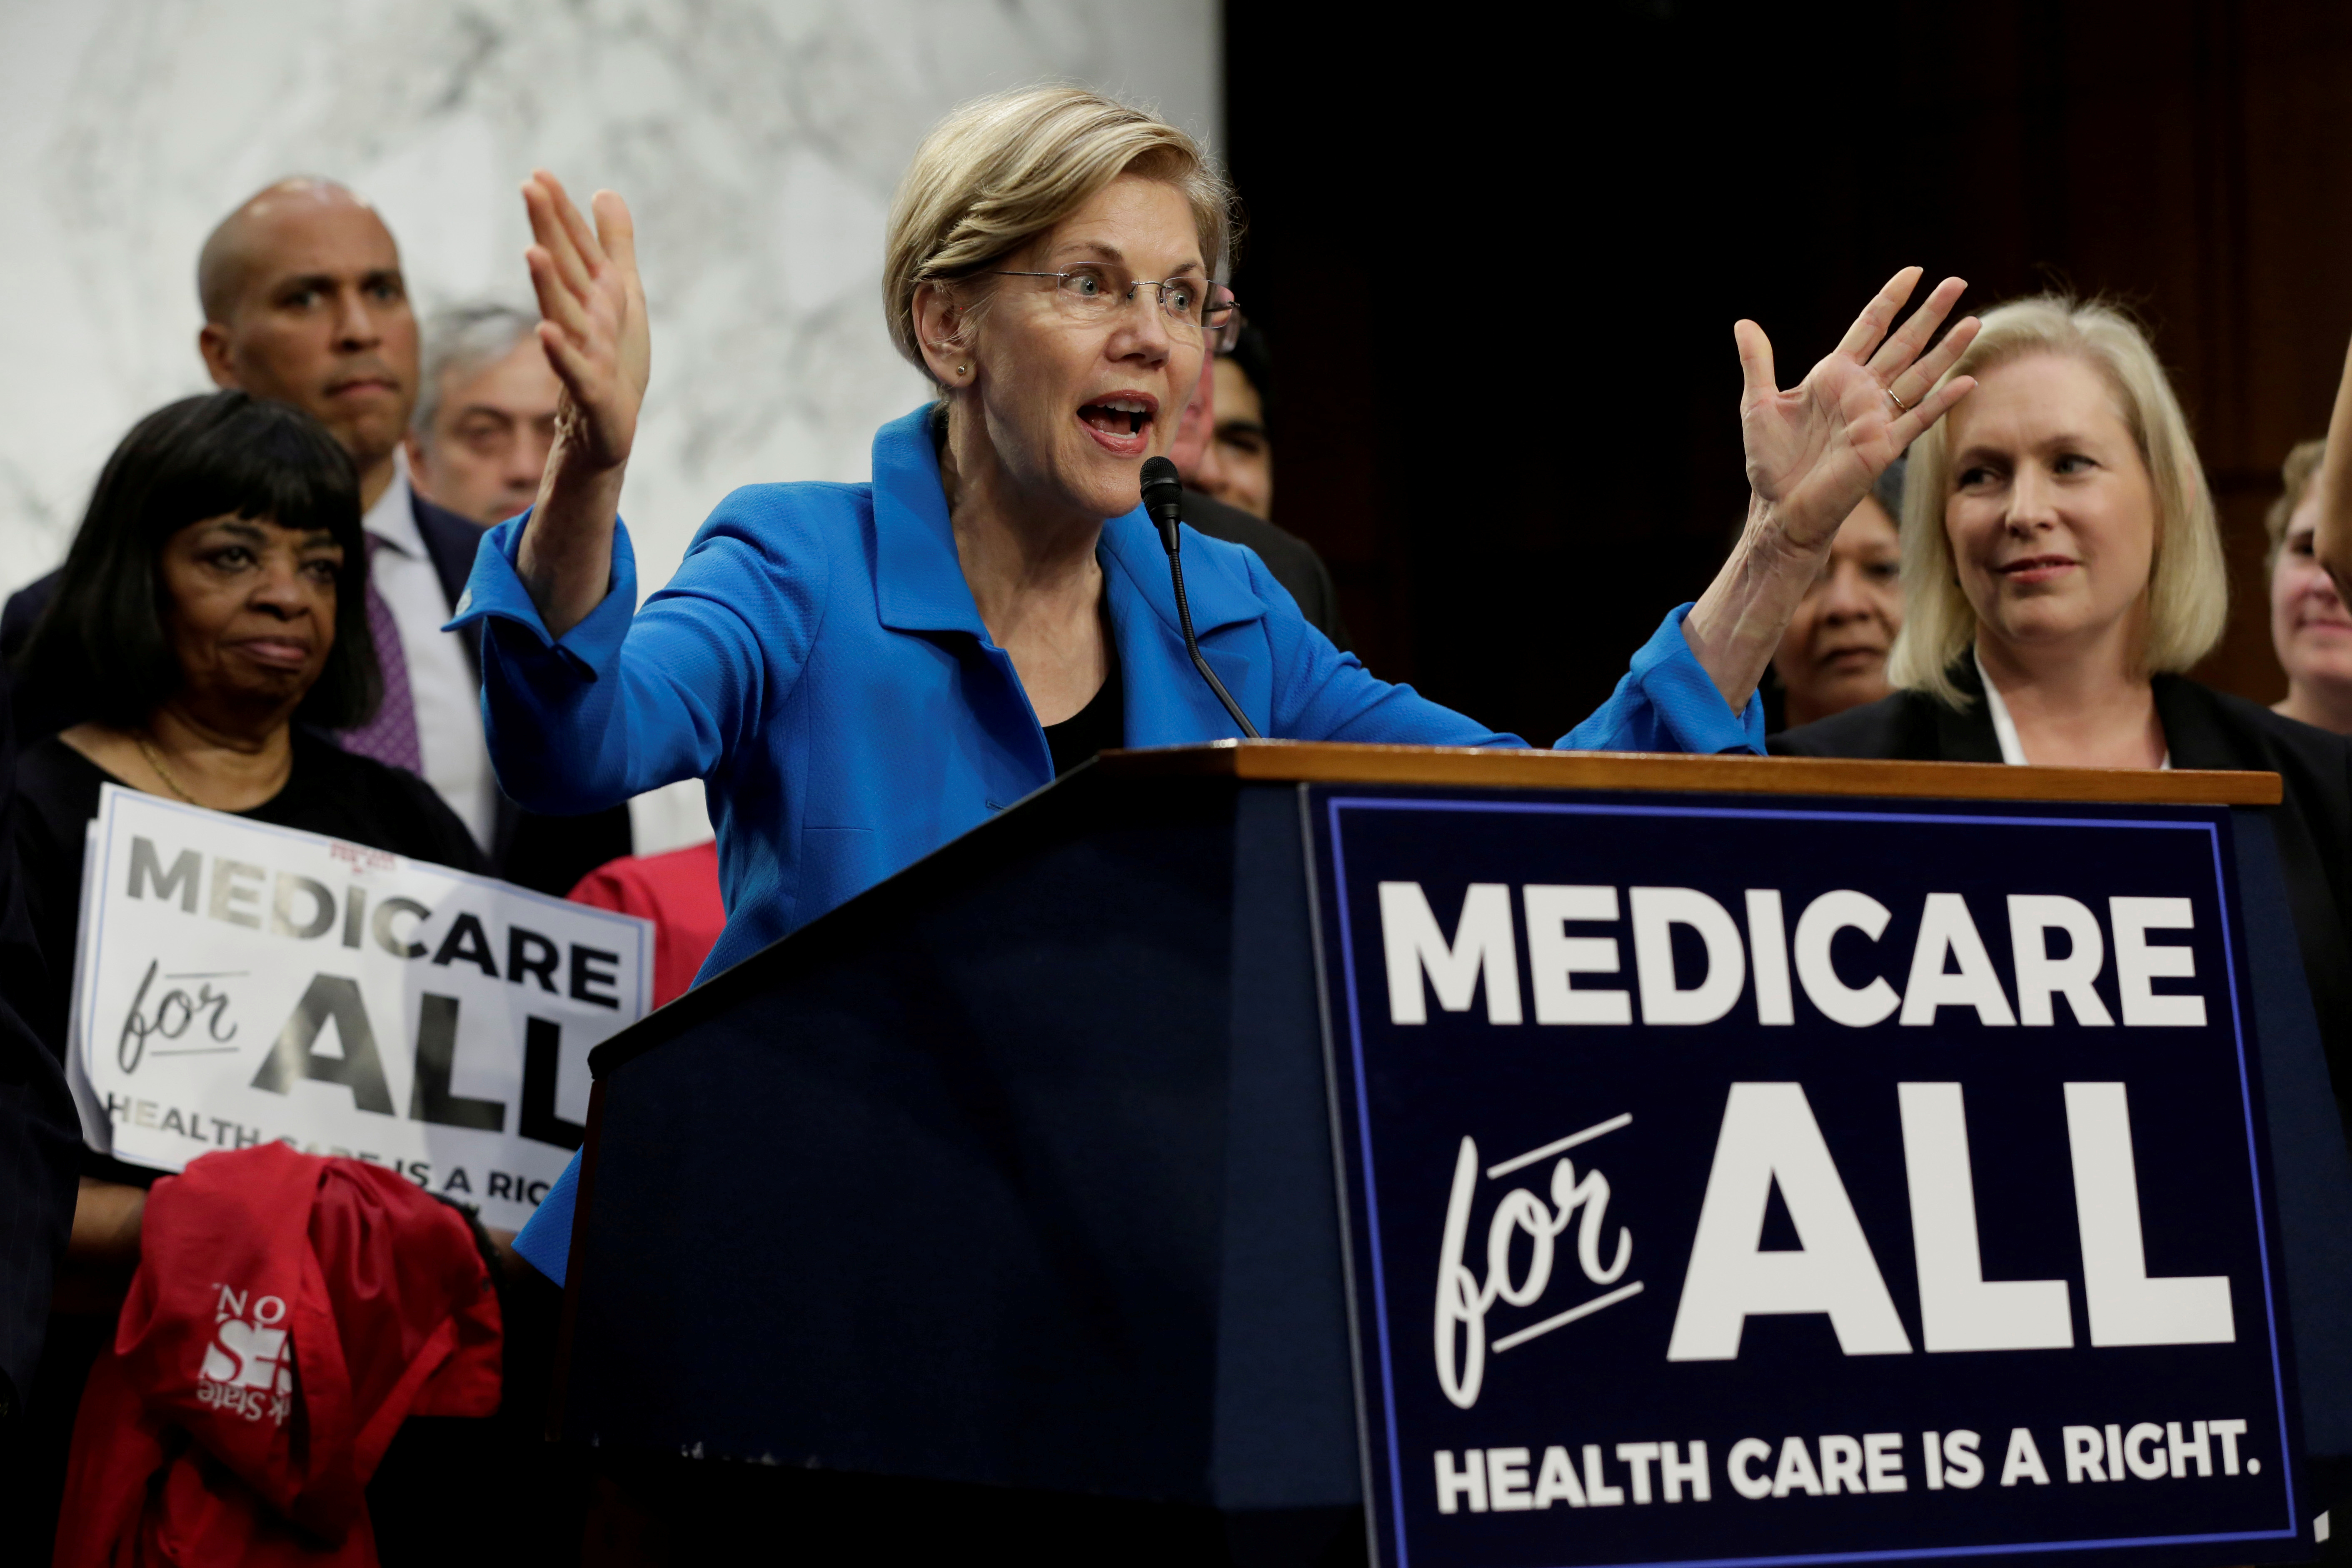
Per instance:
x=391, y=736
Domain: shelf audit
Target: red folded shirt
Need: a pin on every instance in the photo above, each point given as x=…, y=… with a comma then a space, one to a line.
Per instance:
x=290, y=1312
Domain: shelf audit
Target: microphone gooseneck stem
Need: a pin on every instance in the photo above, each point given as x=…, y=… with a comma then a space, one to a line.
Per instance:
x=1192, y=647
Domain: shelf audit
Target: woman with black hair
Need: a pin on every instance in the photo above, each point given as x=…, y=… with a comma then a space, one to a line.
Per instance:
x=216, y=599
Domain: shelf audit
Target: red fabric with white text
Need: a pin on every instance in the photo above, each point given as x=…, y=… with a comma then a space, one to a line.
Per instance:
x=289, y=1312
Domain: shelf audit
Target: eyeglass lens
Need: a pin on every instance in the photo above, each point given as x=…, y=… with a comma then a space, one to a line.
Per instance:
x=1187, y=301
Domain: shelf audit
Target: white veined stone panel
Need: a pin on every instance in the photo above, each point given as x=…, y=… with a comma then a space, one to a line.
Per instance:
x=758, y=143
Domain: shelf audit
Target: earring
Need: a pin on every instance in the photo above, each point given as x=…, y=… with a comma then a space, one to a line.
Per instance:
x=963, y=369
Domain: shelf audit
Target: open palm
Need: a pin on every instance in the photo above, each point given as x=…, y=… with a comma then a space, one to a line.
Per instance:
x=592, y=319
x=1814, y=451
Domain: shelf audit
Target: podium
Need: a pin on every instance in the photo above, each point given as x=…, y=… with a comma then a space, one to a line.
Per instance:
x=1023, y=1172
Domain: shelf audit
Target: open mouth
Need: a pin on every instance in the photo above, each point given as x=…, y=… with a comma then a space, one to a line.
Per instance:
x=1121, y=422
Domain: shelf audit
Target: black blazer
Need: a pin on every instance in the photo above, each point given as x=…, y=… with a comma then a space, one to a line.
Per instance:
x=1291, y=559
x=2204, y=728
x=545, y=853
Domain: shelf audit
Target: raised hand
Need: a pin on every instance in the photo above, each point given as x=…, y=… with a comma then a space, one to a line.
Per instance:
x=1814, y=451
x=592, y=325
x=1813, y=454
x=593, y=321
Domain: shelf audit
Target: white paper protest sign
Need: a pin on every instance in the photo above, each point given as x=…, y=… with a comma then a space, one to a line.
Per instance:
x=240, y=982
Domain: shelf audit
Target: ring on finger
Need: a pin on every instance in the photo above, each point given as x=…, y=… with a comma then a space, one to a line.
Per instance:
x=1894, y=400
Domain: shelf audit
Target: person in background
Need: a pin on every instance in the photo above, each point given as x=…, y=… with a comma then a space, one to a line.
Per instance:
x=1833, y=655
x=2062, y=565
x=1293, y=562
x=1243, y=475
x=215, y=596
x=2309, y=629
x=484, y=413
x=305, y=304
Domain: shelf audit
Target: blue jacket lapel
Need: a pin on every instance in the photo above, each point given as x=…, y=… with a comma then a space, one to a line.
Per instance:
x=918, y=585
x=1167, y=704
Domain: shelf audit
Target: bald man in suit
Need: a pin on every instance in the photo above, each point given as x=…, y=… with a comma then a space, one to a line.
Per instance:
x=304, y=303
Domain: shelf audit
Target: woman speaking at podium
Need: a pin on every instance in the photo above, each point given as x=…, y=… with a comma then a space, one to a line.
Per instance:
x=862, y=672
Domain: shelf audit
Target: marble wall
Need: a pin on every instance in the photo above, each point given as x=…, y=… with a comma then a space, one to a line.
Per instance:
x=757, y=141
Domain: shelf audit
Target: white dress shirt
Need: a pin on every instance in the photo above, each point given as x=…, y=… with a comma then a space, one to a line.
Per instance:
x=441, y=681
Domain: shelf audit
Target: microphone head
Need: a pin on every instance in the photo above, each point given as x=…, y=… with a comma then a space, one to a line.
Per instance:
x=1163, y=486
x=1163, y=496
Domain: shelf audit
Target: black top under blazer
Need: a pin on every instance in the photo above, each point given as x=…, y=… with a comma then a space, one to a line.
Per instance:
x=2202, y=729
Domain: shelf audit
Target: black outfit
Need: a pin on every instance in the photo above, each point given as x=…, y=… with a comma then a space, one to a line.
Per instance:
x=38, y=710
x=40, y=1138
x=1099, y=726
x=545, y=853
x=1291, y=559
x=2203, y=729
x=40, y=1164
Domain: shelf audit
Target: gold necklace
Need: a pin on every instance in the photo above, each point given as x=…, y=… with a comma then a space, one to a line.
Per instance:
x=155, y=760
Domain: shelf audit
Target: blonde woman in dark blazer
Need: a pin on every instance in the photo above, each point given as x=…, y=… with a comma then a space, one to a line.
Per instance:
x=2061, y=569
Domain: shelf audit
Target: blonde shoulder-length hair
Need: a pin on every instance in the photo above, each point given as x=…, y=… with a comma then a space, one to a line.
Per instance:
x=1002, y=170
x=2189, y=586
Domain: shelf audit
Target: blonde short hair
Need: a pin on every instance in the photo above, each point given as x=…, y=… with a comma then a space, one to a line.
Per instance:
x=2302, y=466
x=999, y=172
x=2189, y=584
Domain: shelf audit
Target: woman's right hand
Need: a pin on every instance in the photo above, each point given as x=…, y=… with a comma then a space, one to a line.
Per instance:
x=592, y=326
x=592, y=320
x=1813, y=452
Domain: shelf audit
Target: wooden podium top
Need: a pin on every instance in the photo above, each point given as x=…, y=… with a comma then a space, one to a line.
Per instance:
x=1320, y=762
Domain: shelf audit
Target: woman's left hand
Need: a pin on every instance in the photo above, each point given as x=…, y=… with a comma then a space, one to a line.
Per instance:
x=1814, y=451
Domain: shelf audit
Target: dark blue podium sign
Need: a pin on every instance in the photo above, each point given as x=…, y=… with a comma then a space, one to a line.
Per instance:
x=1783, y=1182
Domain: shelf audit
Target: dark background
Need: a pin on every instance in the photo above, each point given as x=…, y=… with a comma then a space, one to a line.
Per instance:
x=1499, y=252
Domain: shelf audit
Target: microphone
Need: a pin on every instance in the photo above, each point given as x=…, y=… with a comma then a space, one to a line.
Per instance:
x=1163, y=501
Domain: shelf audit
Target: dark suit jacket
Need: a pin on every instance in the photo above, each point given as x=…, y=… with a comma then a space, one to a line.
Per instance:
x=546, y=854
x=39, y=711
x=1291, y=559
x=2204, y=728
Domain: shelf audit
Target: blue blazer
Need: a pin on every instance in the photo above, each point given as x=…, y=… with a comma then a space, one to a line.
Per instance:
x=820, y=663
